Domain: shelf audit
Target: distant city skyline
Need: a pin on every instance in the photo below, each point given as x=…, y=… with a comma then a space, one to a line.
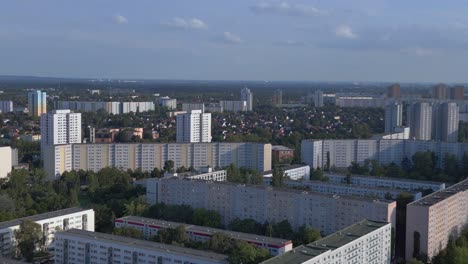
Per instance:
x=316, y=40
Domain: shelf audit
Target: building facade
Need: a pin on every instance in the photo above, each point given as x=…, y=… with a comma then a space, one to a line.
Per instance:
x=233, y=106
x=363, y=242
x=79, y=246
x=393, y=117
x=6, y=106
x=277, y=97
x=327, y=213
x=193, y=106
x=341, y=153
x=434, y=219
x=71, y=218
x=394, y=91
x=419, y=120
x=150, y=228
x=247, y=96
x=293, y=172
x=457, y=92
x=147, y=156
x=59, y=127
x=282, y=154
x=318, y=98
x=194, y=127
x=168, y=103
x=37, y=103
x=7, y=156
x=439, y=92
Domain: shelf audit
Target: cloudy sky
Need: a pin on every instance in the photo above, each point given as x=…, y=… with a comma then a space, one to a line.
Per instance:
x=317, y=40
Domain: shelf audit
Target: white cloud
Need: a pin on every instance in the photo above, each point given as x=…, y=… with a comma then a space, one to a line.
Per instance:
x=290, y=42
x=345, y=31
x=181, y=23
x=231, y=38
x=119, y=19
x=285, y=8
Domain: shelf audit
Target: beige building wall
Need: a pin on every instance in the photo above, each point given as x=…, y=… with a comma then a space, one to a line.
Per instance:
x=437, y=218
x=7, y=161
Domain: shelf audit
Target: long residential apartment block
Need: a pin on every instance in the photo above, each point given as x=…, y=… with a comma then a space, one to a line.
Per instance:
x=150, y=227
x=386, y=182
x=148, y=156
x=79, y=246
x=342, y=152
x=50, y=223
x=325, y=212
x=345, y=189
x=434, y=219
x=109, y=107
x=364, y=242
x=294, y=172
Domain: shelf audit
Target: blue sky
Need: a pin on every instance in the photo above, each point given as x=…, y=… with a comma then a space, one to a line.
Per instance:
x=317, y=40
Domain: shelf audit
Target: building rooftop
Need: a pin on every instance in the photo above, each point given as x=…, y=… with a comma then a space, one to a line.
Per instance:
x=285, y=189
x=386, y=178
x=145, y=245
x=280, y=147
x=40, y=217
x=304, y=253
x=441, y=195
x=354, y=186
x=9, y=261
x=285, y=168
x=208, y=230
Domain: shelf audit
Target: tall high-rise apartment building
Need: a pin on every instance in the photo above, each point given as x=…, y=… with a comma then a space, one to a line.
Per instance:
x=37, y=103
x=419, y=120
x=393, y=117
x=60, y=127
x=194, y=127
x=457, y=92
x=394, y=91
x=318, y=99
x=439, y=91
x=6, y=106
x=278, y=97
x=246, y=95
x=445, y=122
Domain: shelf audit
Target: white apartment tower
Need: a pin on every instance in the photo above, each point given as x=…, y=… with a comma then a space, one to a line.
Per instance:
x=393, y=117
x=420, y=121
x=60, y=127
x=246, y=95
x=318, y=98
x=445, y=122
x=194, y=127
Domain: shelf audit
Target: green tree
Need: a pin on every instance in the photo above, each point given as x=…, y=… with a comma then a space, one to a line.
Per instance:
x=220, y=243
x=318, y=175
x=128, y=232
x=283, y=229
x=244, y=253
x=206, y=217
x=168, y=166
x=306, y=235
x=278, y=177
x=233, y=173
x=246, y=226
x=29, y=238
x=180, y=234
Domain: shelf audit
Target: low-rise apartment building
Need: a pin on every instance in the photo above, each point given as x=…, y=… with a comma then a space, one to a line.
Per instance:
x=434, y=219
x=386, y=182
x=150, y=228
x=50, y=223
x=325, y=212
x=294, y=172
x=78, y=246
x=364, y=242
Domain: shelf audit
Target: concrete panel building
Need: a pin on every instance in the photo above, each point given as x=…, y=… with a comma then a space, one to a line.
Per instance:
x=150, y=228
x=194, y=127
x=364, y=242
x=37, y=103
x=393, y=117
x=193, y=106
x=294, y=172
x=341, y=153
x=419, y=120
x=148, y=156
x=79, y=246
x=50, y=223
x=394, y=91
x=434, y=219
x=6, y=106
x=327, y=213
x=247, y=96
x=7, y=156
x=233, y=106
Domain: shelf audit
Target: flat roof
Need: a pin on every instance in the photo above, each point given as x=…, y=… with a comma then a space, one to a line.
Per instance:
x=385, y=178
x=284, y=189
x=441, y=195
x=145, y=245
x=40, y=217
x=285, y=168
x=9, y=261
x=360, y=187
x=209, y=230
x=338, y=239
x=281, y=147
